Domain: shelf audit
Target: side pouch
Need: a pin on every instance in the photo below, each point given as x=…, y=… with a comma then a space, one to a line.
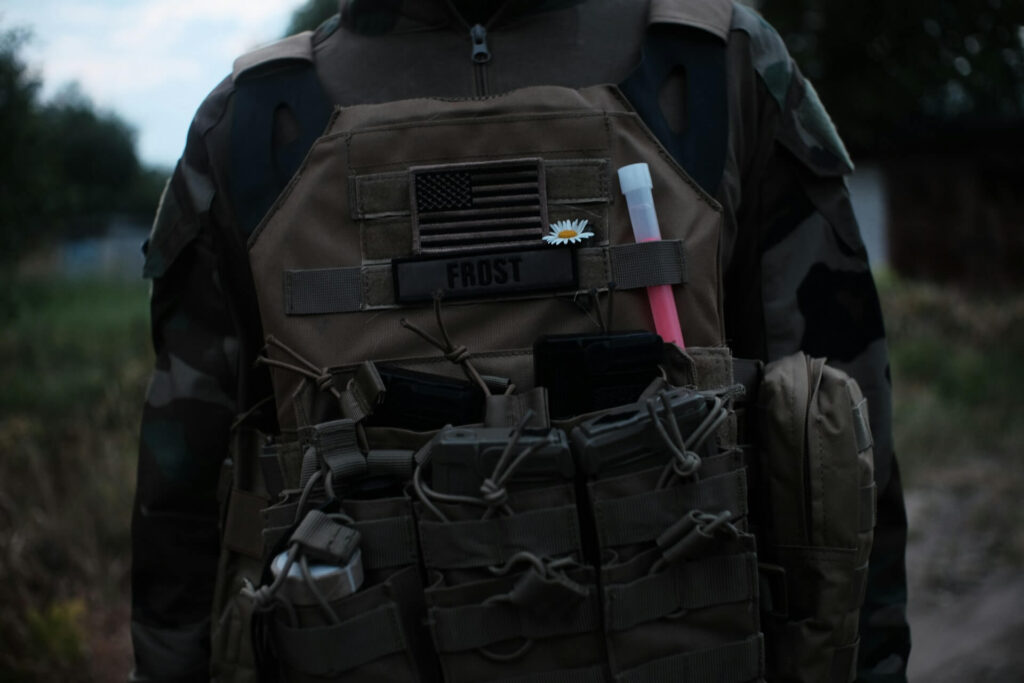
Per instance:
x=243, y=496
x=818, y=518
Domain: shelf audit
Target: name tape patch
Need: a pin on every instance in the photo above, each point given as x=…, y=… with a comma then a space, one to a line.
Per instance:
x=472, y=276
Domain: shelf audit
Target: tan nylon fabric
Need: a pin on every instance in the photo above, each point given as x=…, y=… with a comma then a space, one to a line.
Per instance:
x=317, y=224
x=819, y=486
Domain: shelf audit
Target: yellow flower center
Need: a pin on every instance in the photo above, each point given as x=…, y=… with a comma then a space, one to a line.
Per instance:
x=566, y=234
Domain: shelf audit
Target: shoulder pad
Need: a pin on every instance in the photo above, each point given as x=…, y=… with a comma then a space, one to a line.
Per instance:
x=768, y=52
x=714, y=16
x=807, y=129
x=296, y=47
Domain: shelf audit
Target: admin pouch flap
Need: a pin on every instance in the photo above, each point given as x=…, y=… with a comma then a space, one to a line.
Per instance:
x=816, y=464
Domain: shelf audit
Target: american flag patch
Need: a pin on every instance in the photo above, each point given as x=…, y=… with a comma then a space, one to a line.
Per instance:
x=478, y=205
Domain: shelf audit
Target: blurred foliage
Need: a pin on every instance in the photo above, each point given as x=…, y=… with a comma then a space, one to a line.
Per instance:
x=957, y=360
x=957, y=367
x=66, y=166
x=892, y=71
x=77, y=363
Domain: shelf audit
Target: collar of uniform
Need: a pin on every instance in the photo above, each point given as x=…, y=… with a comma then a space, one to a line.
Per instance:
x=403, y=16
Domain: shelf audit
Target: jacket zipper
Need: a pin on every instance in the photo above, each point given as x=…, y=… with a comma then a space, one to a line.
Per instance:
x=480, y=56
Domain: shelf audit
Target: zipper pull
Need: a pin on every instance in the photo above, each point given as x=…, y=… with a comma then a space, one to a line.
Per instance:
x=481, y=54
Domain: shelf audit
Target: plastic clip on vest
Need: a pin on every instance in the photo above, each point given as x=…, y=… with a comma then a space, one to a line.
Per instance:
x=635, y=181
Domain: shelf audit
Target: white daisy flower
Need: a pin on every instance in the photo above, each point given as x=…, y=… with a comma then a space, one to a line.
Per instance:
x=565, y=232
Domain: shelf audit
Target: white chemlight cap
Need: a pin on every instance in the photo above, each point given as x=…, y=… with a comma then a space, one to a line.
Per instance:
x=635, y=177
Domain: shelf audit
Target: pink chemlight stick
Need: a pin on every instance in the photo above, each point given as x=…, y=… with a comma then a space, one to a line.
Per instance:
x=635, y=181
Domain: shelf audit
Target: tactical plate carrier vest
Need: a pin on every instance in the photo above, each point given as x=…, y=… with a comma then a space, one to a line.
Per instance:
x=431, y=511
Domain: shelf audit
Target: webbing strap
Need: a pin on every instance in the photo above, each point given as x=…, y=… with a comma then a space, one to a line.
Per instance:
x=644, y=516
x=331, y=650
x=692, y=585
x=867, y=508
x=310, y=465
x=322, y=291
x=590, y=674
x=389, y=542
x=861, y=426
x=739, y=661
x=550, y=532
x=338, y=448
x=363, y=392
x=260, y=169
x=700, y=145
x=457, y=629
x=323, y=538
x=648, y=264
x=393, y=463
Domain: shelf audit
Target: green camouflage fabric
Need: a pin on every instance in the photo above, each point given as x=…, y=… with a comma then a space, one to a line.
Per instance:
x=796, y=277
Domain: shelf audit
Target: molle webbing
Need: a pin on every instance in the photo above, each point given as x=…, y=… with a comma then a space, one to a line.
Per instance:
x=550, y=532
x=567, y=181
x=695, y=585
x=344, y=290
x=642, y=517
x=388, y=542
x=366, y=637
x=738, y=661
x=470, y=627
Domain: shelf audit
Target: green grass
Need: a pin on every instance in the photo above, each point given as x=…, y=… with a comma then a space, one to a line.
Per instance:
x=76, y=362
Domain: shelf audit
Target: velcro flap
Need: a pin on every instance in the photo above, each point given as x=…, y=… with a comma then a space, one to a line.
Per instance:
x=322, y=290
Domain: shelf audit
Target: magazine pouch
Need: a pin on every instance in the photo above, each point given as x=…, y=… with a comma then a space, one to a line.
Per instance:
x=508, y=595
x=351, y=606
x=668, y=501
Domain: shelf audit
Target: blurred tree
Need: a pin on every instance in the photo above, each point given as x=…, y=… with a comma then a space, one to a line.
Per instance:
x=21, y=182
x=65, y=166
x=92, y=159
x=311, y=14
x=890, y=72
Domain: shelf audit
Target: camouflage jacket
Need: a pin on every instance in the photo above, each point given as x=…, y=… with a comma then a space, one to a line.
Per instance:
x=795, y=268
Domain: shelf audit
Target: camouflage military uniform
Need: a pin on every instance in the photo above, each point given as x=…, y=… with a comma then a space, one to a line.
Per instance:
x=796, y=275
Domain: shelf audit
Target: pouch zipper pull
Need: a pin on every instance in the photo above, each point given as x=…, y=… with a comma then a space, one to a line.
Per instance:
x=481, y=53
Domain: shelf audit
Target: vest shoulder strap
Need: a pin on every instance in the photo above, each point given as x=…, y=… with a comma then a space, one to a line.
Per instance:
x=279, y=110
x=679, y=88
x=713, y=16
x=298, y=47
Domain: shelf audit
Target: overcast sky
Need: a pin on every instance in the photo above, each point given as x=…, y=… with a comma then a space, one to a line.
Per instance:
x=151, y=61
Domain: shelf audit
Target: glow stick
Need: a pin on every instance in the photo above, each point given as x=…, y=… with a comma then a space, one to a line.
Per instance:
x=635, y=181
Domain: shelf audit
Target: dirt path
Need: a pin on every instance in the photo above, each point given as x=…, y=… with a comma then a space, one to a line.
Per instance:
x=966, y=606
